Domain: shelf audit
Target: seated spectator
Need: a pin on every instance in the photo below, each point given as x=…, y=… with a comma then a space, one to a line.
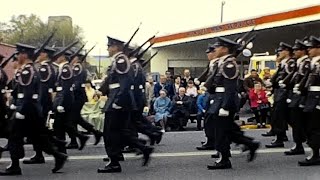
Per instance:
x=162, y=106
x=180, y=109
x=259, y=104
x=177, y=84
x=149, y=91
x=186, y=78
x=192, y=92
x=90, y=91
x=92, y=111
x=251, y=80
x=164, y=84
x=202, y=101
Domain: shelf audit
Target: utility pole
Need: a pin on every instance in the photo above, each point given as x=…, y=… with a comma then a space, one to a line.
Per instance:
x=222, y=4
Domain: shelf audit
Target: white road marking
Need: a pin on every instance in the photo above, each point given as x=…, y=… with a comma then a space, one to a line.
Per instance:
x=177, y=154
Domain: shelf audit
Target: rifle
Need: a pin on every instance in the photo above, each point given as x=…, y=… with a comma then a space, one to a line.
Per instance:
x=62, y=51
x=137, y=50
x=5, y=62
x=77, y=52
x=147, y=61
x=139, y=56
x=85, y=56
x=134, y=34
x=38, y=51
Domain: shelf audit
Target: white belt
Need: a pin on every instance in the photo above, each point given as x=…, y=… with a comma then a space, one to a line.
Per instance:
x=83, y=85
x=20, y=95
x=59, y=88
x=35, y=96
x=220, y=89
x=314, y=88
x=140, y=87
x=114, y=86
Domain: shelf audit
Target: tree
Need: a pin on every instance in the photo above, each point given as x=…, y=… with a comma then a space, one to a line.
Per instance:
x=32, y=30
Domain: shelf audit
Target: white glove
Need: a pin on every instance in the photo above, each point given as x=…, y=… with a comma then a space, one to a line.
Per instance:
x=179, y=102
x=212, y=101
x=282, y=85
x=269, y=94
x=223, y=112
x=288, y=101
x=60, y=109
x=204, y=111
x=13, y=107
x=196, y=81
x=318, y=107
x=19, y=116
x=114, y=106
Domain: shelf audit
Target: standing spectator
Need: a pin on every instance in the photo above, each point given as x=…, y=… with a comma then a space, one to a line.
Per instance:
x=251, y=80
x=149, y=90
x=186, y=78
x=259, y=104
x=163, y=84
x=177, y=84
x=169, y=77
x=180, y=109
x=162, y=107
x=202, y=101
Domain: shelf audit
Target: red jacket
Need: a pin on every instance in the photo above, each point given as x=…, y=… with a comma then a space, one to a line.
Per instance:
x=254, y=98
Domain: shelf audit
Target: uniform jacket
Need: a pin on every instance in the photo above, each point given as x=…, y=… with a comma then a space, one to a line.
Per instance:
x=79, y=79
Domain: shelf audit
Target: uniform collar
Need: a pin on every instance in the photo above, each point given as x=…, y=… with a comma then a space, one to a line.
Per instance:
x=315, y=59
x=221, y=59
x=45, y=61
x=283, y=62
x=300, y=60
x=213, y=61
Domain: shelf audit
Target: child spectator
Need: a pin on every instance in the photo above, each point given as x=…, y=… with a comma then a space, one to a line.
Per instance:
x=201, y=104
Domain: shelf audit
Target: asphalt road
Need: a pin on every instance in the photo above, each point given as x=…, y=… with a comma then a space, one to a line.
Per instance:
x=175, y=158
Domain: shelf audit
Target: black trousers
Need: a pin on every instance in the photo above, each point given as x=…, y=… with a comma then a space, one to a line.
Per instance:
x=32, y=127
x=117, y=132
x=226, y=132
x=298, y=125
x=209, y=129
x=142, y=125
x=260, y=115
x=313, y=129
x=280, y=118
x=180, y=118
x=62, y=124
x=77, y=119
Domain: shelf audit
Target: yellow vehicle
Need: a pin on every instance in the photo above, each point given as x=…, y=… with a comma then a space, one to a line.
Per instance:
x=260, y=61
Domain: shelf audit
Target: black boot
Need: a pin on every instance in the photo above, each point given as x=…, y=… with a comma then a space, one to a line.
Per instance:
x=120, y=157
x=278, y=142
x=146, y=155
x=73, y=144
x=36, y=159
x=60, y=160
x=112, y=167
x=13, y=170
x=224, y=163
x=297, y=150
x=209, y=145
x=83, y=140
x=268, y=134
x=97, y=136
x=253, y=148
x=313, y=161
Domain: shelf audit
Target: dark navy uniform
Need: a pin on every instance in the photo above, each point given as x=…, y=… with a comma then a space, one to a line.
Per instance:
x=117, y=86
x=79, y=79
x=312, y=105
x=3, y=107
x=282, y=89
x=141, y=124
x=296, y=99
x=27, y=121
x=223, y=106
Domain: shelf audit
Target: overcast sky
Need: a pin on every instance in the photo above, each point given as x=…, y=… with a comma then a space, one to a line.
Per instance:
x=120, y=18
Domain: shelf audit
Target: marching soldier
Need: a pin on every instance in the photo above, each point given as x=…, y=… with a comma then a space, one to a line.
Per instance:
x=118, y=108
x=79, y=79
x=208, y=123
x=312, y=105
x=27, y=121
x=3, y=107
x=142, y=125
x=224, y=105
x=63, y=101
x=295, y=101
x=281, y=87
